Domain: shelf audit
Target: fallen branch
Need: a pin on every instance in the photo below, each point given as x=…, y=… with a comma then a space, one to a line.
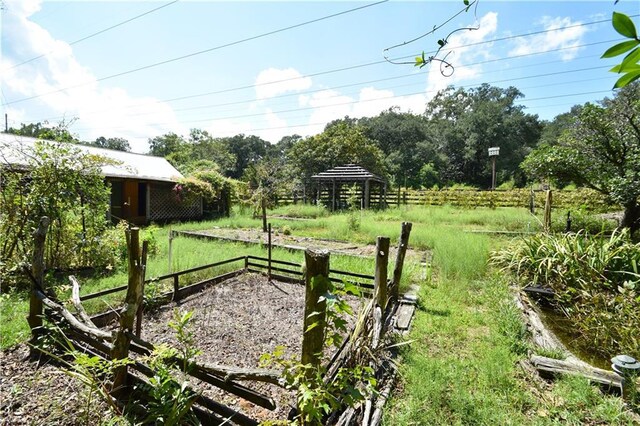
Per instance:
x=75, y=298
x=73, y=321
x=236, y=373
x=551, y=367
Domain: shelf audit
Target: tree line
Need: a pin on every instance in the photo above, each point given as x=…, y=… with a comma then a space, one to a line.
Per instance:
x=594, y=145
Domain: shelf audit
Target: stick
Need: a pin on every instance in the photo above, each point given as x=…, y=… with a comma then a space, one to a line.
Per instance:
x=75, y=298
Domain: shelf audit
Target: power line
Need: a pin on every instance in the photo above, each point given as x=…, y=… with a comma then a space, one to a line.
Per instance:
x=200, y=52
x=342, y=86
x=94, y=34
x=209, y=119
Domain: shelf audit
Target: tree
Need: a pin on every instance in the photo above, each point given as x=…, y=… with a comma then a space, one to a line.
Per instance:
x=338, y=145
x=407, y=144
x=247, y=150
x=119, y=144
x=58, y=133
x=162, y=146
x=466, y=123
x=601, y=151
x=266, y=179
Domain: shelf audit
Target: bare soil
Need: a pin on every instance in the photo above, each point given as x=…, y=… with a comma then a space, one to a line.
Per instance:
x=40, y=393
x=256, y=236
x=234, y=322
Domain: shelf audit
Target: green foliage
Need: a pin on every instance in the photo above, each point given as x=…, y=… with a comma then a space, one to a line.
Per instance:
x=602, y=152
x=185, y=336
x=119, y=144
x=465, y=123
x=58, y=133
x=630, y=65
x=170, y=399
x=353, y=204
x=67, y=186
x=596, y=281
x=338, y=145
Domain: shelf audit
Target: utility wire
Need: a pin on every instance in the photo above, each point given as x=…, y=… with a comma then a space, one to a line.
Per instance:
x=94, y=34
x=337, y=87
x=209, y=119
x=200, y=52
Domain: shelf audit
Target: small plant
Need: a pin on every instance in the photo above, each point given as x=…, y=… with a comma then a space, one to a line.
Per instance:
x=181, y=325
x=286, y=230
x=353, y=203
x=315, y=398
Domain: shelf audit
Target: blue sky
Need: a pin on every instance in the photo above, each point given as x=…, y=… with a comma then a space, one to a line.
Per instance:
x=324, y=70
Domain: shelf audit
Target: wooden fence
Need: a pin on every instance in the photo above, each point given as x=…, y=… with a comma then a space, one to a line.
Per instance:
x=564, y=199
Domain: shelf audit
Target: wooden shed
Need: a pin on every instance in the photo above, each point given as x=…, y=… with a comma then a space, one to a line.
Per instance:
x=334, y=186
x=141, y=185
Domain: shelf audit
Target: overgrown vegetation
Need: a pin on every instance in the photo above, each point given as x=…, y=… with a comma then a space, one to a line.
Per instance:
x=596, y=280
x=68, y=187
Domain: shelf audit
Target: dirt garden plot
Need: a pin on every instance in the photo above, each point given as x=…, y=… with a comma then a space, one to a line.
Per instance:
x=235, y=322
x=256, y=236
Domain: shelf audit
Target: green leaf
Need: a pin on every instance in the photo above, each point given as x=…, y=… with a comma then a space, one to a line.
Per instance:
x=629, y=67
x=631, y=59
x=624, y=25
x=620, y=48
x=626, y=79
x=466, y=2
x=441, y=42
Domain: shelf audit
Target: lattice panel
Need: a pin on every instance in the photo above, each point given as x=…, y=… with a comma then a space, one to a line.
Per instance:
x=165, y=206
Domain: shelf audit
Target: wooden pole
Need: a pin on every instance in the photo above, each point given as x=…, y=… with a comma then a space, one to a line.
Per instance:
x=170, y=250
x=133, y=301
x=380, y=290
x=403, y=243
x=317, y=284
x=37, y=271
x=547, y=211
x=269, y=253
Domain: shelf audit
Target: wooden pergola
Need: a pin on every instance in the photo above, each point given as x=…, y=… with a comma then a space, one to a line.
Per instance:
x=334, y=179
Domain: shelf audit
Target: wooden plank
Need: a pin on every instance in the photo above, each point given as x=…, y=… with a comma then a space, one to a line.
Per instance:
x=404, y=315
x=316, y=282
x=550, y=367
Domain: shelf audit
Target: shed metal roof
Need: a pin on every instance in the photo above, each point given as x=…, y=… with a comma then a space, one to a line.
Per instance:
x=348, y=172
x=15, y=149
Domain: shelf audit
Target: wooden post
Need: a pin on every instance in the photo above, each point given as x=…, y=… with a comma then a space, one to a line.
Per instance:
x=398, y=197
x=402, y=251
x=37, y=270
x=269, y=253
x=133, y=300
x=380, y=290
x=317, y=284
x=532, y=202
x=176, y=288
x=333, y=197
x=367, y=193
x=170, y=249
x=547, y=212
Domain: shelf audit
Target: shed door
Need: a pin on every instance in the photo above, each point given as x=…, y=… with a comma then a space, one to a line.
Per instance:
x=117, y=194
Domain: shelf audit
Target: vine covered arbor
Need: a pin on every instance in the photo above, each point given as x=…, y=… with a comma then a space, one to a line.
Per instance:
x=337, y=185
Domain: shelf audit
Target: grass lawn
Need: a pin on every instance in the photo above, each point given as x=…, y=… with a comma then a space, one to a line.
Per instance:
x=462, y=367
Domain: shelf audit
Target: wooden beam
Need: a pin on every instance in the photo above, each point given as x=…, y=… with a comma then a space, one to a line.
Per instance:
x=380, y=289
x=403, y=243
x=37, y=272
x=317, y=284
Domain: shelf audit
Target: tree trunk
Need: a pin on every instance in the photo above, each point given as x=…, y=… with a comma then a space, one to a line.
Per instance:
x=631, y=218
x=317, y=284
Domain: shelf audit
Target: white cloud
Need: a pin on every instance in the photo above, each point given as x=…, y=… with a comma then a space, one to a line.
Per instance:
x=566, y=39
x=59, y=69
x=464, y=50
x=273, y=82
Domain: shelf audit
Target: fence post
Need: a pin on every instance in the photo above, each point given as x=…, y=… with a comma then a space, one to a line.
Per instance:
x=317, y=284
x=402, y=251
x=37, y=270
x=133, y=300
x=547, y=211
x=380, y=290
x=170, y=249
x=269, y=253
x=176, y=288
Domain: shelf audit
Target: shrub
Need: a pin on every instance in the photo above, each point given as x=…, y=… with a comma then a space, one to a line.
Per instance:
x=596, y=280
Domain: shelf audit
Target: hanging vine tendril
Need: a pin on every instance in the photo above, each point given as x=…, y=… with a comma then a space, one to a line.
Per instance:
x=446, y=68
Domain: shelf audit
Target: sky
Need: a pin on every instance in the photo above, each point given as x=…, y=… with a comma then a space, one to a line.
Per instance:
x=140, y=69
